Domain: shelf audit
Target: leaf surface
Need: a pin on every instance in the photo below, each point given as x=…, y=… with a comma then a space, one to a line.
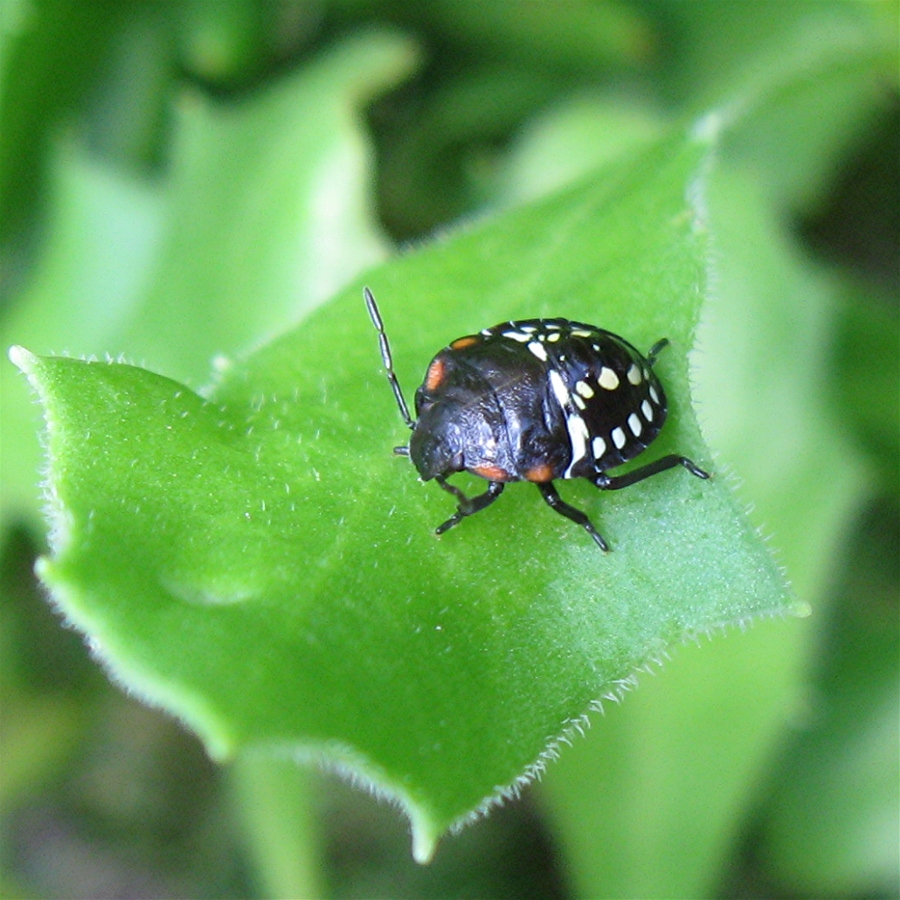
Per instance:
x=258, y=563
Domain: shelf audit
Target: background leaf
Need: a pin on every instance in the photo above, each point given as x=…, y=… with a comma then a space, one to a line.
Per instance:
x=261, y=216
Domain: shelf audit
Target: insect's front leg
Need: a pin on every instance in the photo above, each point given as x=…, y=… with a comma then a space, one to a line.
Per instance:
x=467, y=506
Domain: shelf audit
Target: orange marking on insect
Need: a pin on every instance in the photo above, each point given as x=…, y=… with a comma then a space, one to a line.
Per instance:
x=540, y=474
x=435, y=374
x=463, y=342
x=492, y=473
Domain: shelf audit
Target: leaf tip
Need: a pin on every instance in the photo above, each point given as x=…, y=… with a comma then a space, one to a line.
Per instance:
x=424, y=842
x=24, y=360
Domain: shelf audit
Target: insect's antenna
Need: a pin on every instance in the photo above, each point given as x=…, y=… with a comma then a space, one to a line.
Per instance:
x=387, y=359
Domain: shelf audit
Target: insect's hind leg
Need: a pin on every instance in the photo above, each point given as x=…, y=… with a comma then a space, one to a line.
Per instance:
x=557, y=504
x=468, y=506
x=617, y=482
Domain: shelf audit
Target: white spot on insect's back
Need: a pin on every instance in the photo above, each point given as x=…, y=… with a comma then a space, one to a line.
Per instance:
x=598, y=445
x=608, y=379
x=654, y=396
x=519, y=336
x=647, y=410
x=578, y=435
x=618, y=437
x=578, y=401
x=583, y=388
x=634, y=374
x=634, y=423
x=538, y=350
x=560, y=391
x=554, y=336
x=581, y=332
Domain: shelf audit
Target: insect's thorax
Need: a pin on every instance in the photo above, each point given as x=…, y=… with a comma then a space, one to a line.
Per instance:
x=536, y=399
x=472, y=412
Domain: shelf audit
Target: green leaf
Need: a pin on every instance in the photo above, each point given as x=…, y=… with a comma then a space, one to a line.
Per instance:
x=651, y=803
x=51, y=56
x=799, y=80
x=832, y=815
x=259, y=564
x=268, y=199
x=576, y=135
x=862, y=373
x=762, y=381
x=262, y=215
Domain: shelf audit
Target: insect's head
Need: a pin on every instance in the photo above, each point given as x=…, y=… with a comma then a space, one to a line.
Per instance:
x=452, y=431
x=436, y=444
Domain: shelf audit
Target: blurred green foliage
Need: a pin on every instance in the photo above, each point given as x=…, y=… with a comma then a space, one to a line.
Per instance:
x=763, y=763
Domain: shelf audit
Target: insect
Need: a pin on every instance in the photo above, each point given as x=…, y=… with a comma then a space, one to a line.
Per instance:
x=533, y=400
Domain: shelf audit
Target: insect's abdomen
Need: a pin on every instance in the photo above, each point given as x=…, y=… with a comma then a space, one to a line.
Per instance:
x=615, y=404
x=599, y=405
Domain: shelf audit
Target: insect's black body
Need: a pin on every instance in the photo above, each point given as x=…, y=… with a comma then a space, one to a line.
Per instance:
x=534, y=400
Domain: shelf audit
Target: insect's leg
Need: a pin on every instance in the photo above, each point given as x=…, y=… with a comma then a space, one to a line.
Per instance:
x=656, y=349
x=468, y=506
x=556, y=503
x=617, y=482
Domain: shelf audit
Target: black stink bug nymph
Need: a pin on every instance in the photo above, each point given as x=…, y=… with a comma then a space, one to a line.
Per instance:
x=534, y=400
